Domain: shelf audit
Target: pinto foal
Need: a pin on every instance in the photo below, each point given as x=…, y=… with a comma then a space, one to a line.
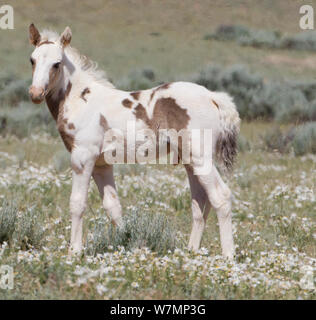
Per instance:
x=85, y=105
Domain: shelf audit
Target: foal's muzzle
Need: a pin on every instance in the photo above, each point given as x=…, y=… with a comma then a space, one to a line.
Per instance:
x=37, y=94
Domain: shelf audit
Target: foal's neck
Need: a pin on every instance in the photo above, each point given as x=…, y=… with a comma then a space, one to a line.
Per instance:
x=57, y=95
x=55, y=101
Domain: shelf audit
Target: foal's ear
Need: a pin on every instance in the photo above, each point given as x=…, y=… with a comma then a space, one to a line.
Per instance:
x=34, y=35
x=65, y=38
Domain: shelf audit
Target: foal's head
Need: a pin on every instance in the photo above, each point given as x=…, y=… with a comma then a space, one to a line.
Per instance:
x=47, y=62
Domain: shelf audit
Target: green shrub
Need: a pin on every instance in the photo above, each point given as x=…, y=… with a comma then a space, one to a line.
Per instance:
x=8, y=214
x=17, y=115
x=260, y=39
x=13, y=90
x=29, y=231
x=305, y=139
x=228, y=32
x=150, y=230
x=24, y=119
x=61, y=160
x=243, y=144
x=264, y=38
x=245, y=36
x=307, y=88
x=291, y=105
x=302, y=139
x=275, y=139
x=302, y=41
x=257, y=99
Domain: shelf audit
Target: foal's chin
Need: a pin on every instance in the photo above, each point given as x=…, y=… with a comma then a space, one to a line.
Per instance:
x=37, y=100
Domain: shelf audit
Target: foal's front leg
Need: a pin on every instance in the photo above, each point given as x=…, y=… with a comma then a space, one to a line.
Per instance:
x=81, y=175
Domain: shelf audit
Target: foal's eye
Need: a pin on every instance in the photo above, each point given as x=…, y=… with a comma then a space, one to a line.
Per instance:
x=32, y=61
x=56, y=65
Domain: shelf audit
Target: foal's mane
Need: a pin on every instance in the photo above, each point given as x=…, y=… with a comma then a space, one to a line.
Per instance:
x=81, y=61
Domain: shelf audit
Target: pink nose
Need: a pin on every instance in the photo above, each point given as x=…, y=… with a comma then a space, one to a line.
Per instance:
x=37, y=94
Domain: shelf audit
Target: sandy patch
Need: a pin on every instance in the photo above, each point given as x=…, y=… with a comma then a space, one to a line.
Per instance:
x=277, y=59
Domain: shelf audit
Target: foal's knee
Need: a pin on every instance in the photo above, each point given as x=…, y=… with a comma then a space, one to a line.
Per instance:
x=77, y=205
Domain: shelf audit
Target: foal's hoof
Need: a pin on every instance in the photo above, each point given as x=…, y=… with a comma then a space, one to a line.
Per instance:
x=229, y=257
x=74, y=253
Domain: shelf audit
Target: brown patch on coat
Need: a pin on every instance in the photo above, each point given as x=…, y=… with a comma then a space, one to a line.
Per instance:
x=52, y=101
x=103, y=122
x=127, y=103
x=135, y=95
x=162, y=87
x=68, y=139
x=100, y=162
x=53, y=104
x=172, y=116
x=152, y=95
x=45, y=42
x=140, y=113
x=53, y=76
x=167, y=115
x=215, y=104
x=83, y=93
x=71, y=126
x=56, y=107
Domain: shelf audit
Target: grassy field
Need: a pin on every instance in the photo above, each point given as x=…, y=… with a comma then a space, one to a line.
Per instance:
x=274, y=226
x=274, y=207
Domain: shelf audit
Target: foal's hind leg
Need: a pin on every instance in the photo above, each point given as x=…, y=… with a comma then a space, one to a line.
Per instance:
x=103, y=177
x=200, y=209
x=220, y=198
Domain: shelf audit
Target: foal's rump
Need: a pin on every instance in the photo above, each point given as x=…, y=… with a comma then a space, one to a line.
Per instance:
x=196, y=108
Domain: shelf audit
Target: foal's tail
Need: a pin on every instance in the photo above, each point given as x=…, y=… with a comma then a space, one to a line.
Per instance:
x=226, y=144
